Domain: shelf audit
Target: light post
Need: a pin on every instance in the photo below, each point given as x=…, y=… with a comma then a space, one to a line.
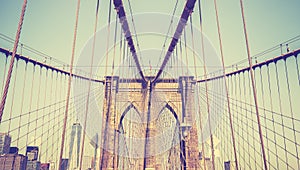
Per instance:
x=184, y=133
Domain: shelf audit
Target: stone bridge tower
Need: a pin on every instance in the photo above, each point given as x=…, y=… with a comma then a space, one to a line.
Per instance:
x=149, y=125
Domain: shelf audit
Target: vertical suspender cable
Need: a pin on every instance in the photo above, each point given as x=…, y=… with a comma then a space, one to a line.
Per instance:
x=202, y=47
x=4, y=70
x=239, y=107
x=60, y=92
x=120, y=56
x=13, y=96
x=115, y=157
x=38, y=104
x=30, y=105
x=107, y=39
x=281, y=113
x=206, y=92
x=167, y=35
x=291, y=111
x=49, y=118
x=273, y=120
x=181, y=57
x=253, y=87
x=54, y=115
x=69, y=88
x=297, y=68
x=107, y=102
x=226, y=87
x=5, y=91
x=264, y=106
x=196, y=76
x=134, y=31
x=43, y=120
x=22, y=102
x=89, y=87
x=252, y=127
x=186, y=53
x=247, y=118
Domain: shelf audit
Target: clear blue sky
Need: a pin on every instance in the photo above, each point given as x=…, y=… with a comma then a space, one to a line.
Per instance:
x=49, y=25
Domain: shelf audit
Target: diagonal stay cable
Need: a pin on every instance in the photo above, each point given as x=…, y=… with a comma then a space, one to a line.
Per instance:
x=10, y=69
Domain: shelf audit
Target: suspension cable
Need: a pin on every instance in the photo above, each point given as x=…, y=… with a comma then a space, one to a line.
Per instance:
x=12, y=60
x=107, y=38
x=186, y=51
x=291, y=110
x=115, y=156
x=226, y=86
x=60, y=109
x=107, y=102
x=38, y=102
x=134, y=29
x=206, y=94
x=69, y=87
x=169, y=29
x=89, y=87
x=297, y=68
x=13, y=96
x=203, y=54
x=120, y=51
x=263, y=105
x=271, y=107
x=253, y=87
x=22, y=100
x=30, y=101
x=50, y=99
x=196, y=75
x=5, y=66
x=55, y=111
x=44, y=103
x=189, y=6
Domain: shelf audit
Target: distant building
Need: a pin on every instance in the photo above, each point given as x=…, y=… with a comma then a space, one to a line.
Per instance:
x=74, y=158
x=13, y=161
x=45, y=166
x=87, y=162
x=229, y=165
x=33, y=165
x=32, y=153
x=13, y=150
x=209, y=164
x=5, y=140
x=64, y=164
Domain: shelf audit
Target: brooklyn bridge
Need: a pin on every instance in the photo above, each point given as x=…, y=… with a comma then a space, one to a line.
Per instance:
x=127, y=84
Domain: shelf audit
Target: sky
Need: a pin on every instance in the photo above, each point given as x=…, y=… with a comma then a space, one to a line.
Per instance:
x=49, y=25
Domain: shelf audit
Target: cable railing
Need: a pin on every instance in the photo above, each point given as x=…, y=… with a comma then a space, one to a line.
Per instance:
x=281, y=51
x=42, y=59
